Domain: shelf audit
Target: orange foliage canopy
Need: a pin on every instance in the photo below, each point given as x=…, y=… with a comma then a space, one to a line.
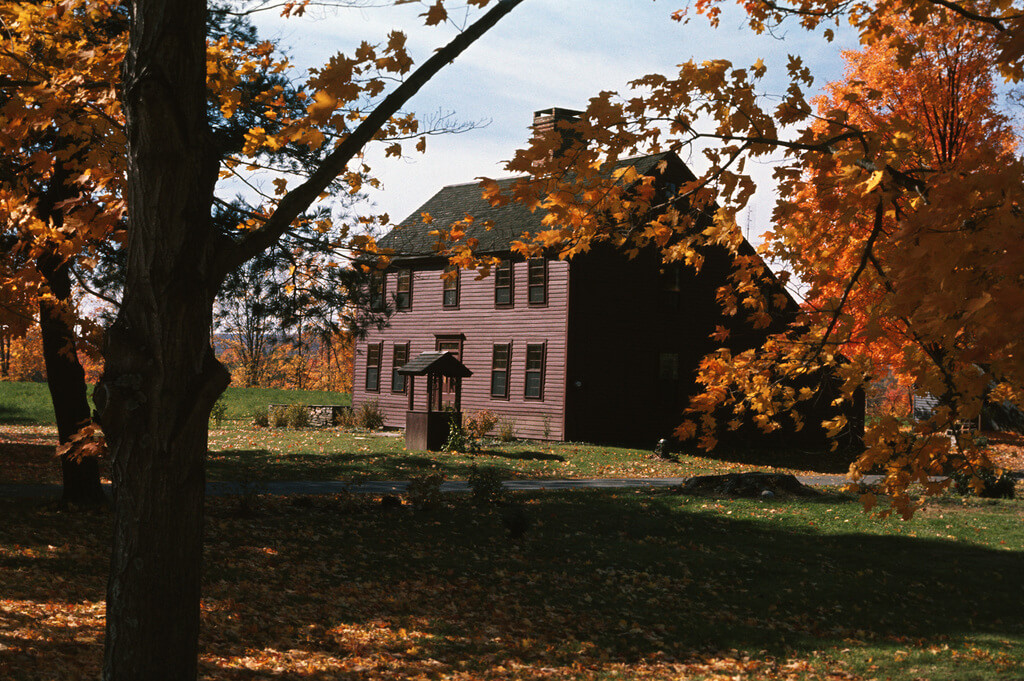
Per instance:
x=324, y=364
x=62, y=144
x=899, y=209
x=906, y=263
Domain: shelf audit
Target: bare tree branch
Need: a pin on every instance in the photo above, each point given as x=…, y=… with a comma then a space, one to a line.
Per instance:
x=304, y=195
x=865, y=258
x=996, y=22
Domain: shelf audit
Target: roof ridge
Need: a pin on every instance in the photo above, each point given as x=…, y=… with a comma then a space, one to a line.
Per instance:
x=519, y=177
x=479, y=179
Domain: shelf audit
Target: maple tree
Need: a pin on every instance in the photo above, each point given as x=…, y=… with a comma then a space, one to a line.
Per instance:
x=934, y=115
x=23, y=356
x=62, y=180
x=160, y=377
x=60, y=183
x=899, y=207
x=321, y=363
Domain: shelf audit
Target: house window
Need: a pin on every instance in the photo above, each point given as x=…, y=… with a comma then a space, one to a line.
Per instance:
x=373, y=352
x=668, y=367
x=451, y=286
x=534, y=372
x=451, y=343
x=503, y=295
x=671, y=278
x=403, y=290
x=670, y=284
x=537, y=281
x=500, y=360
x=399, y=356
x=377, y=289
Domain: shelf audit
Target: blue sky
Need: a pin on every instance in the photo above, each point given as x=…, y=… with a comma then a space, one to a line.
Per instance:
x=545, y=53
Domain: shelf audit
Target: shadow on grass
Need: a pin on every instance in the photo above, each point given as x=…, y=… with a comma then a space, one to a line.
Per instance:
x=523, y=456
x=10, y=413
x=600, y=580
x=270, y=466
x=22, y=462
x=267, y=465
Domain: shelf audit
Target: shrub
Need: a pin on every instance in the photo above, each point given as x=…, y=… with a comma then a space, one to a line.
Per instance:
x=506, y=430
x=344, y=418
x=994, y=485
x=219, y=409
x=296, y=415
x=458, y=440
x=481, y=423
x=425, y=492
x=279, y=417
x=369, y=415
x=466, y=438
x=260, y=417
x=485, y=485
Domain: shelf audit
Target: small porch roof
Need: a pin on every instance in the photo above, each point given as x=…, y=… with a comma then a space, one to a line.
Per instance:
x=438, y=363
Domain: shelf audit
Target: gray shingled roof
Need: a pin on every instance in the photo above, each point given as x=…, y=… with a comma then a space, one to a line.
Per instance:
x=454, y=202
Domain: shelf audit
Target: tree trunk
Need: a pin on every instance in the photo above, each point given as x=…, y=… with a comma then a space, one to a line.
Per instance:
x=5, y=354
x=66, y=380
x=64, y=374
x=160, y=377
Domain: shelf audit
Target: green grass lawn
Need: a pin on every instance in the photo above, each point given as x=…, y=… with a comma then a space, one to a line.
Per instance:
x=29, y=403
x=270, y=454
x=242, y=402
x=243, y=452
x=627, y=585
x=25, y=403
x=282, y=454
x=239, y=451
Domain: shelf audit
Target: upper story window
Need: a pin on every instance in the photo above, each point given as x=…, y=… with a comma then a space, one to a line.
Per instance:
x=449, y=343
x=451, y=286
x=534, y=372
x=500, y=360
x=399, y=356
x=671, y=278
x=668, y=367
x=503, y=293
x=373, y=351
x=403, y=289
x=378, y=284
x=537, y=281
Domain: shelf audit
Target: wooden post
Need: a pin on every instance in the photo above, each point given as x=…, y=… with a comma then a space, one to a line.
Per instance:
x=412, y=382
x=458, y=393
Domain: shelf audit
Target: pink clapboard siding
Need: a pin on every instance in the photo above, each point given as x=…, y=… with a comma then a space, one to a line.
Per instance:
x=483, y=325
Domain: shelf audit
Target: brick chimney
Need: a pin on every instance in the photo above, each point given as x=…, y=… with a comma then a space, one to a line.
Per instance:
x=546, y=120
